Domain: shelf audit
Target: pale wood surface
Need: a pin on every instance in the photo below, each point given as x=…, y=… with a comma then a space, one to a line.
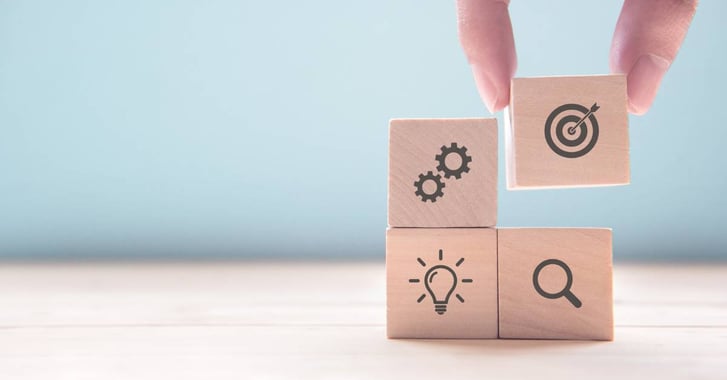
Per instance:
x=243, y=320
x=467, y=201
x=586, y=253
x=471, y=253
x=532, y=163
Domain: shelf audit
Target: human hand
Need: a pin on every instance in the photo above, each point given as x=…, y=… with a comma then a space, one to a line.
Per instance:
x=647, y=38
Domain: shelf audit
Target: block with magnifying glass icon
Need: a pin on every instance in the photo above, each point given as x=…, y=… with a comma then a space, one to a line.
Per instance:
x=555, y=283
x=568, y=131
x=441, y=283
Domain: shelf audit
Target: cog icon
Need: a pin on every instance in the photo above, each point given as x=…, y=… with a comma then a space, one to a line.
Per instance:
x=423, y=178
x=464, y=161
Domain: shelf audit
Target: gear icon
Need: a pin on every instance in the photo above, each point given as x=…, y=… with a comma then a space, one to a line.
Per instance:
x=437, y=179
x=464, y=159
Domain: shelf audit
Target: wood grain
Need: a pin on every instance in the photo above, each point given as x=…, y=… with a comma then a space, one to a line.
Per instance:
x=325, y=320
x=530, y=160
x=467, y=201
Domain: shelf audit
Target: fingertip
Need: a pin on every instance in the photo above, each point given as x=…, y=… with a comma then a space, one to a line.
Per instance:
x=494, y=93
x=646, y=40
x=502, y=101
x=635, y=109
x=643, y=82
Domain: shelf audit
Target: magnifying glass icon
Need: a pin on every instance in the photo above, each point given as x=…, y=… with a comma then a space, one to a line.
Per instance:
x=566, y=289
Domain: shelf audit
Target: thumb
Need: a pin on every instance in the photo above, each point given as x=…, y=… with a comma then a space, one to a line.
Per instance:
x=646, y=41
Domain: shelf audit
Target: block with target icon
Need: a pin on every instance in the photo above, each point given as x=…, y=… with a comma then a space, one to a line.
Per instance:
x=441, y=283
x=555, y=283
x=567, y=132
x=442, y=172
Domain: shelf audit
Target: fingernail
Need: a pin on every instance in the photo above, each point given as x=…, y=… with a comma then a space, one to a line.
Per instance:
x=643, y=82
x=486, y=88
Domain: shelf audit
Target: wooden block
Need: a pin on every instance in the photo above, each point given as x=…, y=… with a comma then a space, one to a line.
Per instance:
x=567, y=132
x=555, y=283
x=442, y=172
x=441, y=283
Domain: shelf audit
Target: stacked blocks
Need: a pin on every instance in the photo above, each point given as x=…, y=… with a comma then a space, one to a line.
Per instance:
x=450, y=273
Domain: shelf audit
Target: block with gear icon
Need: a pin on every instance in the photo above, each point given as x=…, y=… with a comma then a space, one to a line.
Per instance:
x=443, y=172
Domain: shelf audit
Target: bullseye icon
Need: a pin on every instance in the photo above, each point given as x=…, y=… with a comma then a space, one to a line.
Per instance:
x=571, y=130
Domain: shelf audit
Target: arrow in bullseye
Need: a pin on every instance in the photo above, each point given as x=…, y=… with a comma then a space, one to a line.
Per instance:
x=594, y=108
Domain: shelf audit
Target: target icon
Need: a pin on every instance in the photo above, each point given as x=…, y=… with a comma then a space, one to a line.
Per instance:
x=571, y=130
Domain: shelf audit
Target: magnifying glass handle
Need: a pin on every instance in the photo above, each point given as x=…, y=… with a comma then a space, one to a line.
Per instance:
x=573, y=299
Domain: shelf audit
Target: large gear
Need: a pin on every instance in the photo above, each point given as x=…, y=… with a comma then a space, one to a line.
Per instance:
x=437, y=179
x=464, y=158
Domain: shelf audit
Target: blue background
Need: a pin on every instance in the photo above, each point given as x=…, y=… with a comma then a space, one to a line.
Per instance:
x=256, y=128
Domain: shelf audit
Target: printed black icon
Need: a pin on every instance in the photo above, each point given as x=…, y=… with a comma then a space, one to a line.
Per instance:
x=566, y=292
x=571, y=130
x=439, y=185
x=440, y=281
x=464, y=161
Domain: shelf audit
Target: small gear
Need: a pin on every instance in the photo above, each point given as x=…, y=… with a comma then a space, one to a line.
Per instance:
x=437, y=179
x=464, y=159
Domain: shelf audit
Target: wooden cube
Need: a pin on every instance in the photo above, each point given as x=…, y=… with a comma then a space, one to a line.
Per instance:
x=567, y=132
x=442, y=172
x=441, y=283
x=555, y=283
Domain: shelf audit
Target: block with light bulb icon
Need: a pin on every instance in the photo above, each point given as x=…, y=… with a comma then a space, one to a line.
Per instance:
x=441, y=282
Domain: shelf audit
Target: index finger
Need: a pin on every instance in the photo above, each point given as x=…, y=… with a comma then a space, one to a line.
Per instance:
x=485, y=33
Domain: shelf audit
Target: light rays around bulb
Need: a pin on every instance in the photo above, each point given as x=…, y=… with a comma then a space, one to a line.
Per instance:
x=441, y=308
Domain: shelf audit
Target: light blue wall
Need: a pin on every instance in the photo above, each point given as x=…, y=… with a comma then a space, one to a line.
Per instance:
x=260, y=128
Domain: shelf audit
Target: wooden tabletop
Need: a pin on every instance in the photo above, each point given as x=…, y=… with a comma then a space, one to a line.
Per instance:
x=321, y=320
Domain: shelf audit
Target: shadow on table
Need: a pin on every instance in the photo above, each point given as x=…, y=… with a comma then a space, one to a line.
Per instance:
x=498, y=345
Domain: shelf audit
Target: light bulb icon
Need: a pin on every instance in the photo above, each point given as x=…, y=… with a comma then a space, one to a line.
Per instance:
x=440, y=281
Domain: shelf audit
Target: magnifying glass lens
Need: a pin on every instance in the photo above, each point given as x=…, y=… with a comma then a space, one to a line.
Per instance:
x=553, y=279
